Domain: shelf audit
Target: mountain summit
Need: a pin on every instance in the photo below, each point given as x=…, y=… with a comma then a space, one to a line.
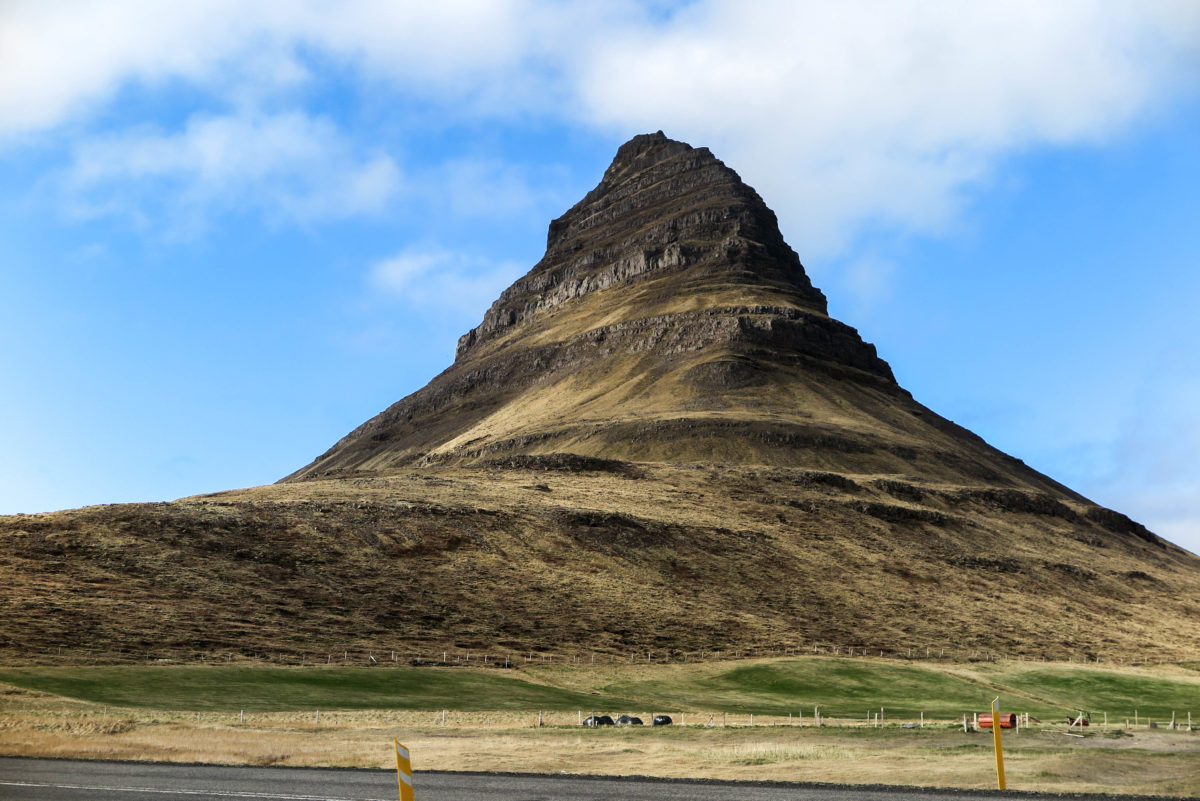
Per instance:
x=669, y=321
x=656, y=440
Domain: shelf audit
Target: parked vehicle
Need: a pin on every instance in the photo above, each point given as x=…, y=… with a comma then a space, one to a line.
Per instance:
x=598, y=720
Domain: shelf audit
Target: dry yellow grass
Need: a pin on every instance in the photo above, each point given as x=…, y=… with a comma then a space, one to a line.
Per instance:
x=1155, y=762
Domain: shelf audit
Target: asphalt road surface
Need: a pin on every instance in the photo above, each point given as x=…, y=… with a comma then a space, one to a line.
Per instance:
x=26, y=779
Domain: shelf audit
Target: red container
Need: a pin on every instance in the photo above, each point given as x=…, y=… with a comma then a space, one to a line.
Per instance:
x=1008, y=720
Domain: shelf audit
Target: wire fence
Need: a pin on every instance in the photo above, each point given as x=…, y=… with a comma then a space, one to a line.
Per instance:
x=818, y=716
x=433, y=655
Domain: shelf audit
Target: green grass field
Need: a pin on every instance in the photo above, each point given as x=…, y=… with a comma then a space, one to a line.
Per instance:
x=851, y=687
x=285, y=689
x=1118, y=694
x=844, y=688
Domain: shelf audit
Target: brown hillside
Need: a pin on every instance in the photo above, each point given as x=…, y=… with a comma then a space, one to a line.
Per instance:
x=657, y=438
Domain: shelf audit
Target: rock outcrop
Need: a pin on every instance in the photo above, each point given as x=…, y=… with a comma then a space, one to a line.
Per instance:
x=662, y=207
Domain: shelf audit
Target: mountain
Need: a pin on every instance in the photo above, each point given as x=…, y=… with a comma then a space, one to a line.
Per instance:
x=670, y=322
x=657, y=438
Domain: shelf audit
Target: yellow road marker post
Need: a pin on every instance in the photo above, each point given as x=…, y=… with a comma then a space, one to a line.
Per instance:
x=403, y=772
x=996, y=739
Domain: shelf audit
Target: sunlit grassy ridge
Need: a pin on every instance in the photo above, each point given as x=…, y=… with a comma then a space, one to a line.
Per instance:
x=1110, y=691
x=848, y=688
x=843, y=688
x=280, y=689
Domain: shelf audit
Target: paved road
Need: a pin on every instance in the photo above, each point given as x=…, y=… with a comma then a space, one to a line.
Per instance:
x=24, y=779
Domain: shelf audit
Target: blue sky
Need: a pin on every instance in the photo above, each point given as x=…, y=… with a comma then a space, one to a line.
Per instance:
x=230, y=233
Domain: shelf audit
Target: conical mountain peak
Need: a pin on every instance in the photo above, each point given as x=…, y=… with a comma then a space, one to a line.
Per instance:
x=662, y=207
x=669, y=321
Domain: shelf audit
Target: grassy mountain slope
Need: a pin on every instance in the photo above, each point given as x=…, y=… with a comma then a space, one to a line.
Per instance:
x=564, y=553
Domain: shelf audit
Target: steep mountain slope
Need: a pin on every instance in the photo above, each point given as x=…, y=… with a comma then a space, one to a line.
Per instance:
x=657, y=438
x=670, y=322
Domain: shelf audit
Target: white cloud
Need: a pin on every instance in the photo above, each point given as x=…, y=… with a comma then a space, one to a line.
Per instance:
x=476, y=53
x=433, y=279
x=1156, y=462
x=1150, y=468
x=864, y=111
x=287, y=167
x=491, y=188
x=869, y=277
x=59, y=61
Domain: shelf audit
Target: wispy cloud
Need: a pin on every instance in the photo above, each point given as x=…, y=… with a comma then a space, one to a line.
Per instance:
x=489, y=187
x=1151, y=469
x=287, y=167
x=437, y=280
x=869, y=276
x=59, y=62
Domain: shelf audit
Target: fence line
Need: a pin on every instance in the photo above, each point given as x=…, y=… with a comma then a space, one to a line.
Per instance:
x=435, y=655
x=842, y=717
